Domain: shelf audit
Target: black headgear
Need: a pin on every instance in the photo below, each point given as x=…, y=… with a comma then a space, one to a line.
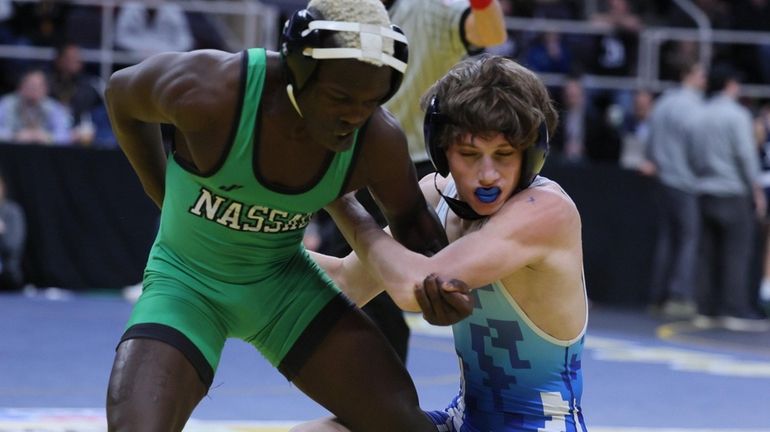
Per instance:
x=531, y=164
x=302, y=47
x=435, y=121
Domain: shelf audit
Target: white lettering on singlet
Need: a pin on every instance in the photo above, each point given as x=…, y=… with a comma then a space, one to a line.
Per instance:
x=243, y=217
x=209, y=201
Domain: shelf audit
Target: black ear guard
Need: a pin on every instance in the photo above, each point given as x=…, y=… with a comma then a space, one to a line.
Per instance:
x=401, y=52
x=432, y=127
x=534, y=157
x=299, y=36
x=434, y=124
x=300, y=66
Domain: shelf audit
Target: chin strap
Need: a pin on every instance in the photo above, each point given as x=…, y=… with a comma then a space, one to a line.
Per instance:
x=290, y=93
x=460, y=208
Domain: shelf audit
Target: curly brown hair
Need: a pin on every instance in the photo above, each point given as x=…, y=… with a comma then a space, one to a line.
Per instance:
x=489, y=94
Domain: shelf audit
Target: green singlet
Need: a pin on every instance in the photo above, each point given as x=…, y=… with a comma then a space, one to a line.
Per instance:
x=228, y=259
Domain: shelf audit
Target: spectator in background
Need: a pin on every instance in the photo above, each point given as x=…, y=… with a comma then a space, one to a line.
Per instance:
x=615, y=52
x=585, y=132
x=616, y=49
x=569, y=140
x=550, y=54
x=636, y=132
x=13, y=236
x=75, y=89
x=670, y=148
x=675, y=56
x=731, y=198
x=152, y=27
x=30, y=115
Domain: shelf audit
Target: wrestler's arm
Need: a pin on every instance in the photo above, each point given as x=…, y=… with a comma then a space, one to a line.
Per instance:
x=351, y=276
x=360, y=283
x=486, y=26
x=392, y=182
x=531, y=225
x=165, y=88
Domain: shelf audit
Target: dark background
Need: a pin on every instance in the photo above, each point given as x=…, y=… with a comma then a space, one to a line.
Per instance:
x=90, y=225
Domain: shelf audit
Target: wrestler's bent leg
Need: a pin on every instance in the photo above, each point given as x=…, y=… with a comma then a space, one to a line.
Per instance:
x=356, y=375
x=153, y=388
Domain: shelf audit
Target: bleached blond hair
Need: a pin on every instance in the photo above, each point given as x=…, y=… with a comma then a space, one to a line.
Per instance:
x=358, y=11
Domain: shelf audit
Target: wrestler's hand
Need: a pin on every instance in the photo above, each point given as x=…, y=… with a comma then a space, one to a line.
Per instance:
x=443, y=303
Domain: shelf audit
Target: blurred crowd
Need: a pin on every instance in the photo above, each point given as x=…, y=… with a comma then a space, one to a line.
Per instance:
x=70, y=97
x=704, y=149
x=59, y=102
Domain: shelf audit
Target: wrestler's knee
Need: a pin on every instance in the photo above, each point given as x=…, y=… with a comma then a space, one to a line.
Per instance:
x=123, y=402
x=132, y=411
x=120, y=409
x=159, y=398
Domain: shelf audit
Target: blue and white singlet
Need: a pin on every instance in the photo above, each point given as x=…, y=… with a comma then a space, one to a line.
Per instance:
x=514, y=376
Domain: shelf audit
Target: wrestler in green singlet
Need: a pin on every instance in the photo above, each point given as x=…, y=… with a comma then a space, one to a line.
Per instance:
x=262, y=140
x=228, y=260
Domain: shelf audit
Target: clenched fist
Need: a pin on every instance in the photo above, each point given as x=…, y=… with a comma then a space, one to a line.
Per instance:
x=443, y=303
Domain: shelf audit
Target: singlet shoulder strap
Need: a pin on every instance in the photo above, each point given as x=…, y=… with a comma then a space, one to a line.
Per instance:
x=442, y=210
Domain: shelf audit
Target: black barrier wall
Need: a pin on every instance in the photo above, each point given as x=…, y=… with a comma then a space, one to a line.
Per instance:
x=90, y=225
x=618, y=212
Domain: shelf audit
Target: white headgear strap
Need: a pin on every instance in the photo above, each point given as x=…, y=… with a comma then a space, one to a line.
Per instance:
x=372, y=43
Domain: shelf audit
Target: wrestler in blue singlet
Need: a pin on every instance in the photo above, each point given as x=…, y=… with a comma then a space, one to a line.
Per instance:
x=515, y=377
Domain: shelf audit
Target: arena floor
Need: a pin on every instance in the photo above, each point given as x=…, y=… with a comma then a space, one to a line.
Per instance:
x=641, y=374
